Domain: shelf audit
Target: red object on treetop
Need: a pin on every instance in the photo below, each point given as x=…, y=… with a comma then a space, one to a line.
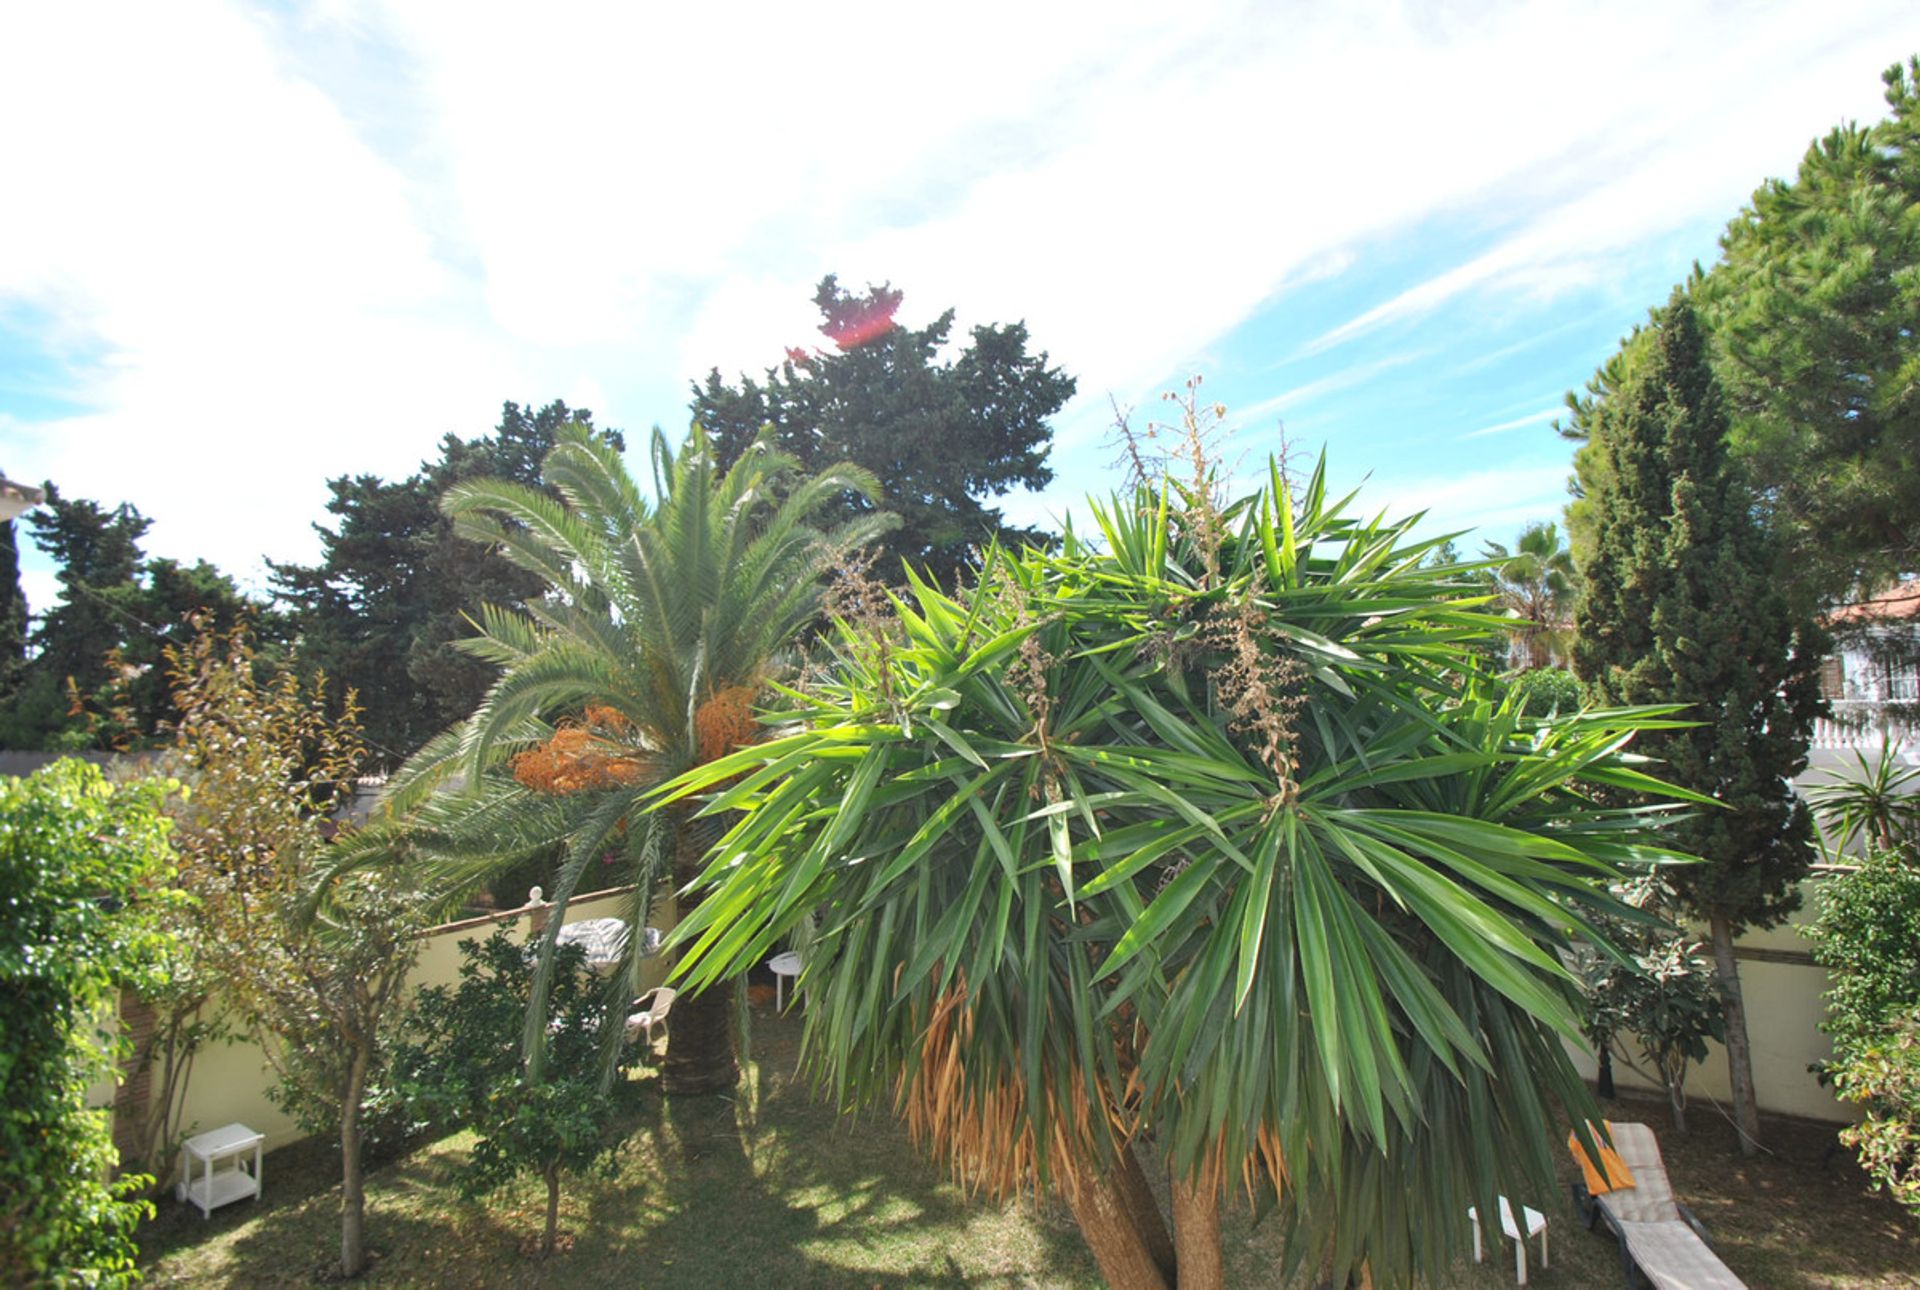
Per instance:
x=858, y=326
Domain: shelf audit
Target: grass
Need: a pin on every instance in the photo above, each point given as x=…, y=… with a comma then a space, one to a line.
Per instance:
x=800, y=1196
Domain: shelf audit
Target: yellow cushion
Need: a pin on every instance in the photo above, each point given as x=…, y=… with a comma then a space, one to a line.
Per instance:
x=1611, y=1174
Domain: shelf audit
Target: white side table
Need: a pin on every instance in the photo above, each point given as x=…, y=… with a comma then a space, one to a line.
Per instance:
x=1536, y=1226
x=213, y=1168
x=782, y=966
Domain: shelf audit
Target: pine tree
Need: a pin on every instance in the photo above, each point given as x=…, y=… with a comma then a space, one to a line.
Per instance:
x=939, y=436
x=396, y=588
x=1815, y=315
x=1681, y=602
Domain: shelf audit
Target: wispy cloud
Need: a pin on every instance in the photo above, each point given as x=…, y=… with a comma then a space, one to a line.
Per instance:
x=1489, y=501
x=1344, y=379
x=1531, y=419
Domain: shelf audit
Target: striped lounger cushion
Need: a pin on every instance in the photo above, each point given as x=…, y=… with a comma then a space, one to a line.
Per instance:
x=1675, y=1259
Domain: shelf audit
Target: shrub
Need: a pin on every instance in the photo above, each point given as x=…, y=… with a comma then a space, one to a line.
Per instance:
x=1868, y=938
x=81, y=863
x=1665, y=997
x=1546, y=691
x=462, y=1067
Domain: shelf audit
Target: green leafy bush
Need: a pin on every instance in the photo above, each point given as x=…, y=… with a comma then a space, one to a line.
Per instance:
x=81, y=866
x=462, y=1067
x=1665, y=996
x=1546, y=691
x=1868, y=939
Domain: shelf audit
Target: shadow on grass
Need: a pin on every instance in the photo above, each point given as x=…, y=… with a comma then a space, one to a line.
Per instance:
x=796, y=1195
x=291, y=1235
x=707, y=1195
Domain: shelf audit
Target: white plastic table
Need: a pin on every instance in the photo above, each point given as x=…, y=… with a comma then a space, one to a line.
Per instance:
x=1536, y=1226
x=782, y=966
x=213, y=1171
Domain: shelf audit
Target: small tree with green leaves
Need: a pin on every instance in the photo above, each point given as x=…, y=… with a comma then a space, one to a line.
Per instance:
x=81, y=869
x=1663, y=993
x=310, y=952
x=462, y=1065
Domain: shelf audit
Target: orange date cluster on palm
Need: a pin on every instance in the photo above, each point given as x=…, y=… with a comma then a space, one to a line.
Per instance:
x=582, y=757
x=725, y=723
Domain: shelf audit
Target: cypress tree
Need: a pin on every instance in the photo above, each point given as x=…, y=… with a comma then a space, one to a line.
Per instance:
x=13, y=614
x=1681, y=602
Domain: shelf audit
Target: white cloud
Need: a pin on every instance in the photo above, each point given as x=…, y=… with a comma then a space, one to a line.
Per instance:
x=1692, y=150
x=296, y=246
x=1486, y=502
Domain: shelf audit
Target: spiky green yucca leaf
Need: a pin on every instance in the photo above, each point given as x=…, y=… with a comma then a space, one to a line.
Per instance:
x=654, y=606
x=1210, y=828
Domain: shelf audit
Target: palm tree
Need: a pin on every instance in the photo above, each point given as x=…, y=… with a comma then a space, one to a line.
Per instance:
x=1189, y=843
x=1535, y=583
x=644, y=659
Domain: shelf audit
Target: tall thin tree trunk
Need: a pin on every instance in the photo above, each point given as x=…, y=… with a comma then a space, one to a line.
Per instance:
x=553, y=1210
x=1196, y=1233
x=1116, y=1243
x=1746, y=1104
x=700, y=1056
x=1144, y=1210
x=1676, y=1102
x=353, y=1195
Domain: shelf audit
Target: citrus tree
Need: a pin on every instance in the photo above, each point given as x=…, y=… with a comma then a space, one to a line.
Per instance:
x=662, y=620
x=1201, y=841
x=459, y=1066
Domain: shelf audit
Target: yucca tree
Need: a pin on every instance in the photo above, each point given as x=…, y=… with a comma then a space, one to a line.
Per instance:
x=1201, y=842
x=662, y=619
x=1535, y=583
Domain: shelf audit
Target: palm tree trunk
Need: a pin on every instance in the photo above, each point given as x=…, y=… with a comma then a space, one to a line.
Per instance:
x=1117, y=1245
x=699, y=1055
x=1746, y=1104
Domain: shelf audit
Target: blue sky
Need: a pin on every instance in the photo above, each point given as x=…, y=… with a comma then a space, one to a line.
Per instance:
x=265, y=245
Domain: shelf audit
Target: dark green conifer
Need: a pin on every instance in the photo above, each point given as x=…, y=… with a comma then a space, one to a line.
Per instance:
x=1681, y=602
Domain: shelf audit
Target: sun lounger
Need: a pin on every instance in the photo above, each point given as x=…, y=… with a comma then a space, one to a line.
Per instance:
x=1660, y=1239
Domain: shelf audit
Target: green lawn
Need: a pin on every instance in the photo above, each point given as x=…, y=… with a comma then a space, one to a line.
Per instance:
x=802, y=1197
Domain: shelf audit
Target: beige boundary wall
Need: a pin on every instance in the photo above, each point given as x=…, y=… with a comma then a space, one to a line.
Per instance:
x=1781, y=985
x=229, y=1082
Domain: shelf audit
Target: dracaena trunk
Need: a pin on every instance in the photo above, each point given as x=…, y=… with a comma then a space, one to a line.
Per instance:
x=1108, y=1227
x=1144, y=1210
x=1196, y=1234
